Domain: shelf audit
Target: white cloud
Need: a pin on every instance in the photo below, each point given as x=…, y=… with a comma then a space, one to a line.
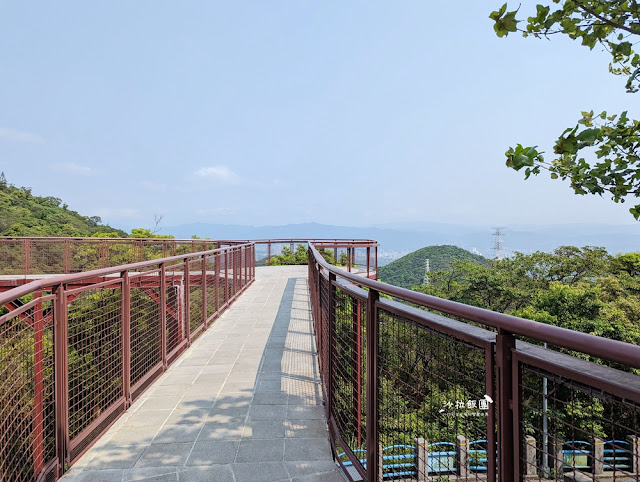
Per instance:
x=20, y=136
x=73, y=168
x=218, y=174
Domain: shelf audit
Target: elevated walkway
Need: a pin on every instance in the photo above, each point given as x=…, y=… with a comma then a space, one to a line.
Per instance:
x=243, y=403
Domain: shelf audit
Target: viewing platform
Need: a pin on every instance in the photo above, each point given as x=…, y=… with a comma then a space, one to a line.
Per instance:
x=244, y=402
x=202, y=366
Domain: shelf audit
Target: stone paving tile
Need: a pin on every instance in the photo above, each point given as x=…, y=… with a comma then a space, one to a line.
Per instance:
x=150, y=473
x=261, y=472
x=212, y=473
x=214, y=453
x=242, y=404
x=165, y=454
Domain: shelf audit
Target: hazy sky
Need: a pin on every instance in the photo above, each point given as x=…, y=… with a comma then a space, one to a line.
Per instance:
x=275, y=112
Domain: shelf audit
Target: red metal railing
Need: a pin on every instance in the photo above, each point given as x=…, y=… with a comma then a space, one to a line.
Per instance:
x=77, y=350
x=40, y=255
x=413, y=394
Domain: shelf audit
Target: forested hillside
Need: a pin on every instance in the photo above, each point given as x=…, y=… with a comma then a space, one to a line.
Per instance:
x=583, y=289
x=24, y=214
x=409, y=270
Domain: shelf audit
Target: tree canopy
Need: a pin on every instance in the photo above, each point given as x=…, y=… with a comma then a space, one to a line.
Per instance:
x=24, y=214
x=601, y=153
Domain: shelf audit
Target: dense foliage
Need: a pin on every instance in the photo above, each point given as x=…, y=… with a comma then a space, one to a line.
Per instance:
x=611, y=141
x=409, y=270
x=581, y=289
x=23, y=214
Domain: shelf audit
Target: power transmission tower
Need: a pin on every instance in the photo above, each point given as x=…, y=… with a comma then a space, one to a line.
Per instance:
x=499, y=250
x=426, y=272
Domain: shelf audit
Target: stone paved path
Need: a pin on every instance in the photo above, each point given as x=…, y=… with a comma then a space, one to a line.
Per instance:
x=242, y=404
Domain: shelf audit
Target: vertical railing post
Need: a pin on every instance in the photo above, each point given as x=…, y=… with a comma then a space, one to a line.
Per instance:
x=38, y=388
x=187, y=302
x=372, y=386
x=507, y=450
x=61, y=376
x=126, y=337
x=330, y=344
x=269, y=253
x=204, y=290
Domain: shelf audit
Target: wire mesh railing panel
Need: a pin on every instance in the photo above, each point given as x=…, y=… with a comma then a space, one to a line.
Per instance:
x=323, y=310
x=12, y=257
x=94, y=352
x=433, y=402
x=153, y=250
x=349, y=372
x=27, y=419
x=46, y=257
x=212, y=289
x=230, y=271
x=174, y=310
x=196, y=319
x=82, y=257
x=569, y=429
x=146, y=351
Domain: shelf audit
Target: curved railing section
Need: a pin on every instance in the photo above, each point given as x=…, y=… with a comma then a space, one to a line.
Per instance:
x=418, y=387
x=35, y=256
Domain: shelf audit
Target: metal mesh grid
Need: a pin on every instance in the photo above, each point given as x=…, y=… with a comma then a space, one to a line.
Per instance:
x=324, y=328
x=82, y=257
x=117, y=253
x=230, y=270
x=349, y=372
x=174, y=315
x=211, y=281
x=572, y=430
x=27, y=423
x=432, y=402
x=155, y=250
x=11, y=257
x=145, y=325
x=46, y=257
x=195, y=297
x=94, y=353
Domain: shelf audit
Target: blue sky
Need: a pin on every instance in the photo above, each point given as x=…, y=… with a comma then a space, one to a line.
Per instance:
x=276, y=112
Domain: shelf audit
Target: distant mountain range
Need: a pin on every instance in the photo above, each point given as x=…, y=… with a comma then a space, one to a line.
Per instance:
x=398, y=239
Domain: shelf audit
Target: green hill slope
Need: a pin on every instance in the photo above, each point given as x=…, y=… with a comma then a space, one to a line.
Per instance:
x=23, y=214
x=408, y=271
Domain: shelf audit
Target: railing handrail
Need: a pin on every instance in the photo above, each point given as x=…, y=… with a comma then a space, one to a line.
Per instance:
x=612, y=350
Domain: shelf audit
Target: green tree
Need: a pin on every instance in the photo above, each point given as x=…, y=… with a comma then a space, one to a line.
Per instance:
x=614, y=140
